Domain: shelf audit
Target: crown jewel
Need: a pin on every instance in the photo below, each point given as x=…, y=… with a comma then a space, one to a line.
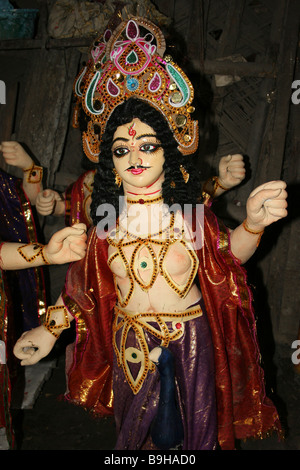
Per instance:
x=132, y=64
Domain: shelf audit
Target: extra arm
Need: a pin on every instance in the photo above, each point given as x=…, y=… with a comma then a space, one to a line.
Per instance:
x=37, y=343
x=265, y=205
x=65, y=246
x=14, y=154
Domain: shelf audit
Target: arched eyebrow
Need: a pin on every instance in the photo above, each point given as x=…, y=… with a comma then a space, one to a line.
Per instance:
x=125, y=139
x=145, y=135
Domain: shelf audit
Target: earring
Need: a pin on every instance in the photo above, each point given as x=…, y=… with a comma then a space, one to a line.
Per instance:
x=185, y=174
x=118, y=179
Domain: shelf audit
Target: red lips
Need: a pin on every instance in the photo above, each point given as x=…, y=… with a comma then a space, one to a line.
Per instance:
x=136, y=171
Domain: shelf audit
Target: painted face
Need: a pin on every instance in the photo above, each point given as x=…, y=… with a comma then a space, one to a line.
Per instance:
x=137, y=155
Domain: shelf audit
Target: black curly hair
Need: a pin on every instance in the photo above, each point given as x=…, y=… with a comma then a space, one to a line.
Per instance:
x=105, y=190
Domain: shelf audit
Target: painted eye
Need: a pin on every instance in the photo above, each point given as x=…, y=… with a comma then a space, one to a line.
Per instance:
x=149, y=147
x=120, y=152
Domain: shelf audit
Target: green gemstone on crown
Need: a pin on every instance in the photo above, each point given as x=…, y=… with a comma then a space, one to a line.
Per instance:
x=132, y=58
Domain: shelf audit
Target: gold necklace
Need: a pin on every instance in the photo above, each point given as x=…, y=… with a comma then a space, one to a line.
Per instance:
x=150, y=236
x=145, y=201
x=157, y=260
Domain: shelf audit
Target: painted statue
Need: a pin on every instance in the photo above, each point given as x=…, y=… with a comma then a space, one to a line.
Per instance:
x=166, y=337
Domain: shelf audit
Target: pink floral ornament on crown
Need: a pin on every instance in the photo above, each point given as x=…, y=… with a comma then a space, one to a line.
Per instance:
x=132, y=55
x=98, y=51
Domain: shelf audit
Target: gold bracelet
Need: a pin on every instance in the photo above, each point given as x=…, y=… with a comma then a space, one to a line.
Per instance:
x=218, y=184
x=43, y=255
x=39, y=251
x=215, y=185
x=253, y=232
x=32, y=172
x=209, y=191
x=51, y=324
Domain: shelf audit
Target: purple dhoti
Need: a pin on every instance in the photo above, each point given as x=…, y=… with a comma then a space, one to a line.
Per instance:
x=194, y=377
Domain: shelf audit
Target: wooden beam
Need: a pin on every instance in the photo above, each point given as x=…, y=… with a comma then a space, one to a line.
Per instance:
x=68, y=42
x=44, y=121
x=209, y=67
x=273, y=159
x=241, y=69
x=282, y=237
x=229, y=37
x=195, y=31
x=20, y=44
x=49, y=43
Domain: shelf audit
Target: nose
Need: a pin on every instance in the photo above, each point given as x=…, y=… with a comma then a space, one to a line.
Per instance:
x=134, y=158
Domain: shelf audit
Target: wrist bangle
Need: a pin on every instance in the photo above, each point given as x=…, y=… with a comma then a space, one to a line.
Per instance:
x=51, y=323
x=218, y=184
x=215, y=183
x=259, y=232
x=33, y=172
x=253, y=232
x=31, y=251
x=43, y=255
x=205, y=187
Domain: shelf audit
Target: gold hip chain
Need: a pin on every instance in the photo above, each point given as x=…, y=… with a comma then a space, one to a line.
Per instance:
x=124, y=321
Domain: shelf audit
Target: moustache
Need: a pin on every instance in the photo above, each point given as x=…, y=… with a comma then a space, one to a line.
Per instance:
x=134, y=167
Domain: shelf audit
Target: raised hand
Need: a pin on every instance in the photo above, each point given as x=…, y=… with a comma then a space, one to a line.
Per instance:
x=231, y=170
x=266, y=204
x=46, y=201
x=15, y=155
x=33, y=345
x=67, y=245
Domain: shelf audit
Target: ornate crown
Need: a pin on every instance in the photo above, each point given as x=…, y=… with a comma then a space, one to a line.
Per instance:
x=131, y=64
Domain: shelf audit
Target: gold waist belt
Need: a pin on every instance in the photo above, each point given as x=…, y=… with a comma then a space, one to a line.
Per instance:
x=155, y=324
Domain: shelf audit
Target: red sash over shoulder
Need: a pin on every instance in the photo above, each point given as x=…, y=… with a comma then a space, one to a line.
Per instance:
x=76, y=200
x=243, y=409
x=89, y=295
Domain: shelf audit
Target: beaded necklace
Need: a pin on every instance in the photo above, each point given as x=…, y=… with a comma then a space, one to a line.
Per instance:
x=145, y=201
